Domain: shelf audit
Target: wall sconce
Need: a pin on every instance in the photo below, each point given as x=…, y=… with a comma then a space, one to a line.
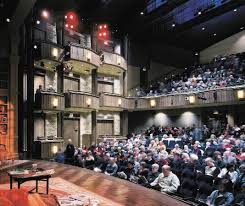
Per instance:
x=55, y=52
x=55, y=102
x=240, y=94
x=119, y=102
x=88, y=102
x=153, y=102
x=55, y=149
x=192, y=99
x=88, y=56
x=119, y=61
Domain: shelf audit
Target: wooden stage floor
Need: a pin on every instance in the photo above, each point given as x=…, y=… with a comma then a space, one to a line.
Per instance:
x=115, y=189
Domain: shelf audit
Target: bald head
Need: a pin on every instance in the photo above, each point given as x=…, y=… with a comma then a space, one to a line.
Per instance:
x=166, y=169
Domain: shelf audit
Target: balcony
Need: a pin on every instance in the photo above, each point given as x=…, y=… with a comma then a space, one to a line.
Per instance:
x=47, y=55
x=49, y=101
x=79, y=101
x=113, y=102
x=81, y=60
x=219, y=97
x=112, y=64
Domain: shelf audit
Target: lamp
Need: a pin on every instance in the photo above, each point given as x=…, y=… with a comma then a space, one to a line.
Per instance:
x=119, y=102
x=240, y=94
x=153, y=102
x=55, y=52
x=192, y=99
x=119, y=60
x=55, y=149
x=88, y=102
x=55, y=102
x=88, y=56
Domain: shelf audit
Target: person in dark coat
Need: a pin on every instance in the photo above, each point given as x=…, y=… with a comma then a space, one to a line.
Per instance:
x=69, y=152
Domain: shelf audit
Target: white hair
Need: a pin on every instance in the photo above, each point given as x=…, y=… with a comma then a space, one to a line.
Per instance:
x=155, y=166
x=193, y=157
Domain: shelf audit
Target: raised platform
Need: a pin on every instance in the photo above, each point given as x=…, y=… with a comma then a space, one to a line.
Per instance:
x=109, y=190
x=17, y=163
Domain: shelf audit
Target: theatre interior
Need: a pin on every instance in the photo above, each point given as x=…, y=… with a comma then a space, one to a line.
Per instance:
x=122, y=102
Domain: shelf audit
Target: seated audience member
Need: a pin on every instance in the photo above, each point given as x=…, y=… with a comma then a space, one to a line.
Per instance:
x=167, y=181
x=59, y=156
x=127, y=172
x=111, y=168
x=221, y=197
x=69, y=152
x=229, y=173
x=153, y=174
x=240, y=197
x=210, y=168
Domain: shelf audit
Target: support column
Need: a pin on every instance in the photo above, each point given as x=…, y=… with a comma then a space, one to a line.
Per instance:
x=94, y=127
x=94, y=82
x=124, y=123
x=125, y=84
x=231, y=118
x=60, y=28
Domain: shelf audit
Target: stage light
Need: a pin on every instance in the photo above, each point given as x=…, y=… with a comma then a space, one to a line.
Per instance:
x=72, y=26
x=45, y=14
x=71, y=16
x=55, y=52
x=35, y=46
x=142, y=13
x=196, y=53
x=192, y=99
x=55, y=149
x=65, y=17
x=199, y=13
x=89, y=101
x=100, y=27
x=152, y=102
x=8, y=20
x=55, y=102
x=104, y=34
x=105, y=26
x=100, y=34
x=37, y=22
x=242, y=28
x=66, y=25
x=203, y=28
x=119, y=102
x=173, y=25
x=235, y=10
x=215, y=34
x=240, y=94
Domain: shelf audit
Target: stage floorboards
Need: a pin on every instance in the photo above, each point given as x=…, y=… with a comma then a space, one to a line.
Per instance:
x=115, y=189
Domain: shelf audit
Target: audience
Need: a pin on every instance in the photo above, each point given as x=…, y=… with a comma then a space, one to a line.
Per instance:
x=210, y=170
x=222, y=72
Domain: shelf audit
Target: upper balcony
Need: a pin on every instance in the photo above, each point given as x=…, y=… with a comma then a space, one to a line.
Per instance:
x=113, y=102
x=49, y=101
x=112, y=64
x=80, y=101
x=47, y=55
x=81, y=60
x=219, y=97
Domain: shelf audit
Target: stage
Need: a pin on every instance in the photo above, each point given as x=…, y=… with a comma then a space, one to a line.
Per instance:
x=108, y=190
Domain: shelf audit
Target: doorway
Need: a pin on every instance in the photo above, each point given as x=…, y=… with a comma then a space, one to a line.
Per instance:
x=71, y=131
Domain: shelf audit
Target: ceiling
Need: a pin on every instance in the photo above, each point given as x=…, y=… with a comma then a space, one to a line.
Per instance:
x=7, y=9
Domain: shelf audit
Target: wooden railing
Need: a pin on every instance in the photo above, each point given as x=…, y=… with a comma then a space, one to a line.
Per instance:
x=115, y=59
x=49, y=101
x=207, y=98
x=76, y=99
x=77, y=52
x=113, y=100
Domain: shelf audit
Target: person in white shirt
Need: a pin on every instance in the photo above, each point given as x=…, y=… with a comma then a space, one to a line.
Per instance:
x=230, y=172
x=167, y=181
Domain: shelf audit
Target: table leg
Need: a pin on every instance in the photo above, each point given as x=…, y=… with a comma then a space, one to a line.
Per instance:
x=11, y=182
x=36, y=186
x=47, y=186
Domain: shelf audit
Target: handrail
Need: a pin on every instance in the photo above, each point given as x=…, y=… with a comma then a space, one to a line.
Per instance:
x=81, y=92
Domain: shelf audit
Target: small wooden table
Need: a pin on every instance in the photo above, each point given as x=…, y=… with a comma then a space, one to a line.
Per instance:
x=21, y=178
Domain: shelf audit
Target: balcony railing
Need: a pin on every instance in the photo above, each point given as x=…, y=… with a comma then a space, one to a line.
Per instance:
x=77, y=52
x=224, y=96
x=75, y=99
x=49, y=101
x=113, y=101
x=115, y=60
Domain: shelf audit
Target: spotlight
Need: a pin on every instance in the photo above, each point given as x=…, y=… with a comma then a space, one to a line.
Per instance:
x=196, y=53
x=66, y=25
x=242, y=28
x=72, y=26
x=45, y=14
x=203, y=28
x=35, y=46
x=173, y=25
x=100, y=27
x=142, y=13
x=199, y=13
x=65, y=17
x=71, y=16
x=215, y=34
x=105, y=26
x=8, y=20
x=104, y=34
x=38, y=22
x=235, y=10
x=100, y=34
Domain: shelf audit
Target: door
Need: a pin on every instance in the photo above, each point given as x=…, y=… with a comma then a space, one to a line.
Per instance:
x=105, y=127
x=71, y=131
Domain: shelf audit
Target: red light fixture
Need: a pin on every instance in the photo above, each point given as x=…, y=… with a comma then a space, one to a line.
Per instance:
x=71, y=16
x=100, y=34
x=104, y=34
x=105, y=26
x=45, y=14
x=65, y=17
x=100, y=27
x=72, y=26
x=66, y=25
